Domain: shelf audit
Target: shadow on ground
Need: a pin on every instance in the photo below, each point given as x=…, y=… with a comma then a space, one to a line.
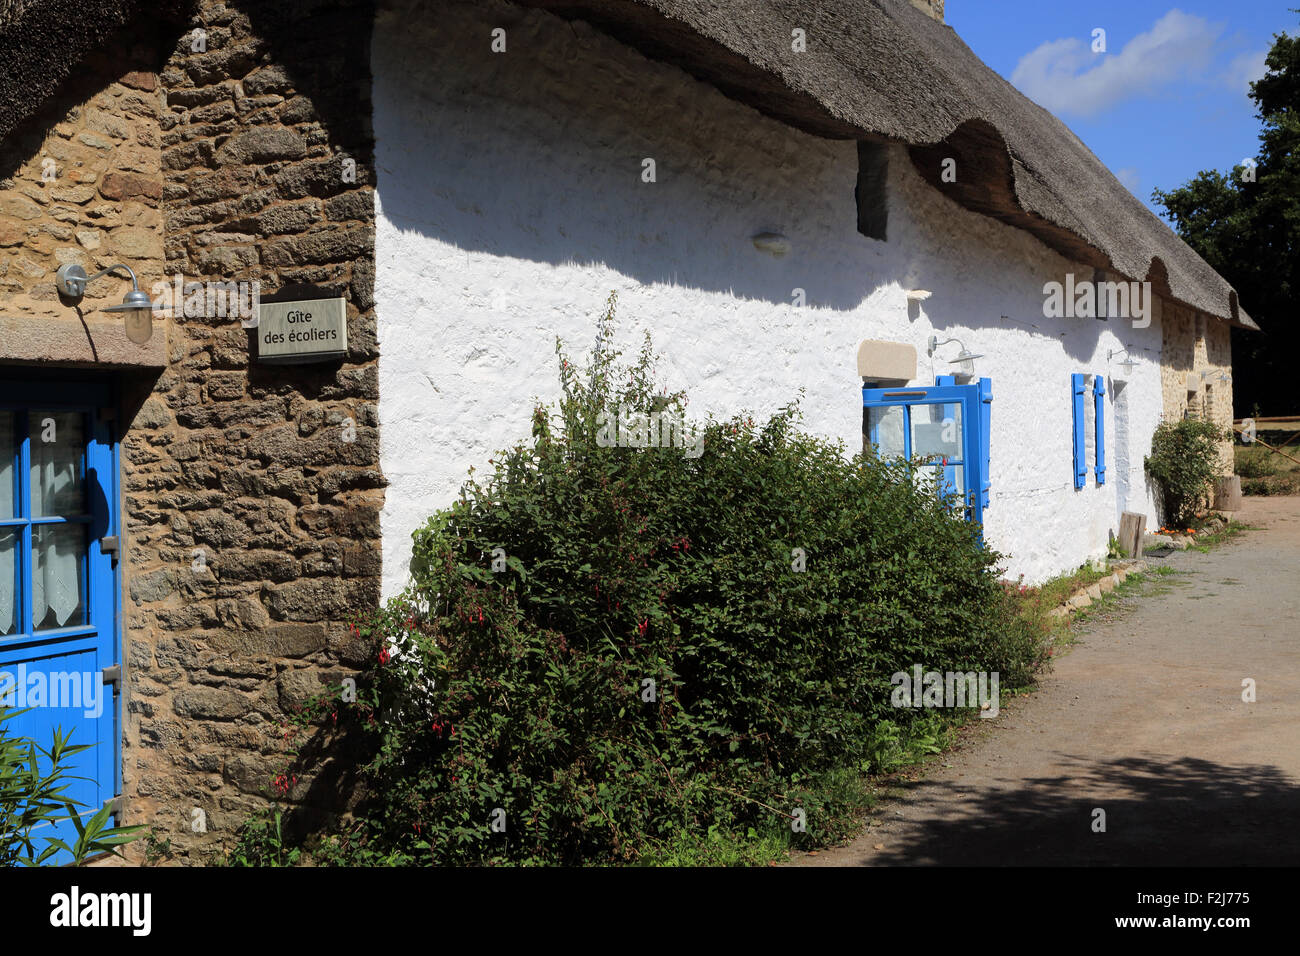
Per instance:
x=1159, y=812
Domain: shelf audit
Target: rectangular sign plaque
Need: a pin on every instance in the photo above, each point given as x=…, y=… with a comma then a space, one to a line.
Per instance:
x=310, y=330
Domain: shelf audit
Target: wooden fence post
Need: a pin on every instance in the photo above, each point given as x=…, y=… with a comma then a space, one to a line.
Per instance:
x=1131, y=528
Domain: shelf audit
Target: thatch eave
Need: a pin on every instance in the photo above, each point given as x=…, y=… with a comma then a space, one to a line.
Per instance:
x=883, y=70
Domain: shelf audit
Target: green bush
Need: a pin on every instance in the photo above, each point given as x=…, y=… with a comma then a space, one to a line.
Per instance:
x=668, y=644
x=1256, y=463
x=33, y=785
x=1184, y=461
x=1288, y=484
x=261, y=842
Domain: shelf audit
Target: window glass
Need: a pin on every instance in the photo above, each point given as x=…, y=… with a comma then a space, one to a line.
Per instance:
x=58, y=575
x=8, y=581
x=8, y=473
x=936, y=431
x=57, y=447
x=887, y=426
x=1089, y=423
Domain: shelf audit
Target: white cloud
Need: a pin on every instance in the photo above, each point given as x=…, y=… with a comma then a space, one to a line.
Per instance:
x=1065, y=76
x=1245, y=69
x=1130, y=178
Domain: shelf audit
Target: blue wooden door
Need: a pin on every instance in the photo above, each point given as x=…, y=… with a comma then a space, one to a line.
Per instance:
x=59, y=604
x=941, y=430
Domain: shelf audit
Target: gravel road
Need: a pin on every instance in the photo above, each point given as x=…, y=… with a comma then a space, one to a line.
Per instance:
x=1143, y=719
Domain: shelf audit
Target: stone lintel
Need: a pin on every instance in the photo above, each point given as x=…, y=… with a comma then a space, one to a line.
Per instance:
x=67, y=341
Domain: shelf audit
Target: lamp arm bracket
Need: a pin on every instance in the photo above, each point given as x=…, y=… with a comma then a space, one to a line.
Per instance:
x=135, y=284
x=71, y=279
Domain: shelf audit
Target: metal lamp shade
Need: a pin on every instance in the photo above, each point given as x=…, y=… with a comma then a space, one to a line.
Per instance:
x=965, y=361
x=137, y=309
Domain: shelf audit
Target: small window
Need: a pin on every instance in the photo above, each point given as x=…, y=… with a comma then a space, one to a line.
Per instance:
x=1089, y=425
x=1099, y=287
x=871, y=191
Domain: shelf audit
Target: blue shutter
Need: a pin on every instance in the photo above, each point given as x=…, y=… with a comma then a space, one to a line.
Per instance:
x=986, y=414
x=1099, y=406
x=1080, y=466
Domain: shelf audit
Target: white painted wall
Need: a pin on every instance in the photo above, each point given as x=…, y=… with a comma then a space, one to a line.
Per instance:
x=510, y=203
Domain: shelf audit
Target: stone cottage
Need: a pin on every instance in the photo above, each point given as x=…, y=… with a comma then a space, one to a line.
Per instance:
x=360, y=228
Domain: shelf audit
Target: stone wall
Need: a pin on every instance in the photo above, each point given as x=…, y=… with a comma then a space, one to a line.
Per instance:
x=81, y=183
x=252, y=492
x=1195, y=344
x=1218, y=361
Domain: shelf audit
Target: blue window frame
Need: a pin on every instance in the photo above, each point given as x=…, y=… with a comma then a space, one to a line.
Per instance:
x=59, y=597
x=945, y=424
x=986, y=421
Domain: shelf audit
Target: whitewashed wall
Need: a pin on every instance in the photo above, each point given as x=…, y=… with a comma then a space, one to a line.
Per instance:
x=510, y=202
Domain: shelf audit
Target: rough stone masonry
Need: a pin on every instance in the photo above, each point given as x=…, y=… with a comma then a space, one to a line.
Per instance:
x=232, y=146
x=254, y=531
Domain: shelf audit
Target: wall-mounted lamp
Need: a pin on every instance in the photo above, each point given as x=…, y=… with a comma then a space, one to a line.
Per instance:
x=136, y=307
x=1127, y=365
x=965, y=360
x=917, y=295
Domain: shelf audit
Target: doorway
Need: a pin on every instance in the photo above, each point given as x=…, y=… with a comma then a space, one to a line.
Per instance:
x=59, y=597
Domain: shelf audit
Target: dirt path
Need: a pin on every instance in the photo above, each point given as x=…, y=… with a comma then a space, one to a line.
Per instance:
x=1144, y=719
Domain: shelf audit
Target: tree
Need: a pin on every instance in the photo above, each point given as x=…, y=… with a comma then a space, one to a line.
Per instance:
x=1246, y=224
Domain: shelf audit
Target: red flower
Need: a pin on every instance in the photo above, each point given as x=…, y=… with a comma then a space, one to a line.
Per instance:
x=384, y=656
x=642, y=626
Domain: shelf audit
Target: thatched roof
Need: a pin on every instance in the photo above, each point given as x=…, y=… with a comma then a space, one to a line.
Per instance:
x=43, y=41
x=873, y=69
x=881, y=69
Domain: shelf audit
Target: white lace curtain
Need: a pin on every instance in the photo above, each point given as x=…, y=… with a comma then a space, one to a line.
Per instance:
x=57, y=441
x=56, y=490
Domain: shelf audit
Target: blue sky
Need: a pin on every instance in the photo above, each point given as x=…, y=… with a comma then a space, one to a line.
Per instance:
x=1168, y=97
